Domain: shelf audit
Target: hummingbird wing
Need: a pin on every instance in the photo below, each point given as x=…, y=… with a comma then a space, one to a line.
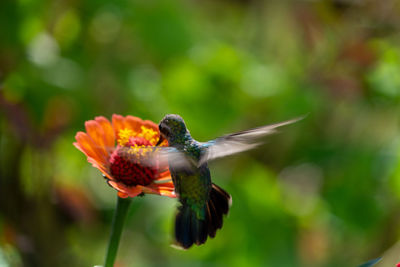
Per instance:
x=157, y=157
x=240, y=141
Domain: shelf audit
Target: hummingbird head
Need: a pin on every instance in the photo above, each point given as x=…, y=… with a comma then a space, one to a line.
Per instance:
x=171, y=127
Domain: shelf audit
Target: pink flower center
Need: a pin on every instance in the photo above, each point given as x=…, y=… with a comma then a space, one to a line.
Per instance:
x=125, y=163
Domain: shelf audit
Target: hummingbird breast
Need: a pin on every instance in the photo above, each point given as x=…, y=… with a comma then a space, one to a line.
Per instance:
x=192, y=183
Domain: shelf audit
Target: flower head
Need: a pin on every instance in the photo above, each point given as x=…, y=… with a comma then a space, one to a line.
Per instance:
x=120, y=150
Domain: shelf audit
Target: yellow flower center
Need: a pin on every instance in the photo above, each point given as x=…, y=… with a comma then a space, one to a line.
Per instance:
x=149, y=134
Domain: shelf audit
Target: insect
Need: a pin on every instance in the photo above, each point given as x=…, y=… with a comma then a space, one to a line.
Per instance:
x=203, y=203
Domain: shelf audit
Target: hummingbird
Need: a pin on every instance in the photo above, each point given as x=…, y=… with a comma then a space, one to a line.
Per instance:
x=203, y=204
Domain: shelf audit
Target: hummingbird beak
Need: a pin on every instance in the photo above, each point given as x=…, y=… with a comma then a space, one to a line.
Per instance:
x=162, y=138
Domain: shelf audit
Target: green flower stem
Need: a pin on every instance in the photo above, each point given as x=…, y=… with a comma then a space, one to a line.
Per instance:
x=116, y=230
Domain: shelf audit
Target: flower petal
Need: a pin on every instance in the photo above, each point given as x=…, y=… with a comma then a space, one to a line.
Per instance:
x=122, y=195
x=88, y=147
x=131, y=191
x=168, y=193
x=109, y=135
x=166, y=189
x=96, y=132
x=164, y=175
x=118, y=123
x=163, y=180
x=151, y=125
x=148, y=189
x=133, y=123
x=169, y=184
x=103, y=169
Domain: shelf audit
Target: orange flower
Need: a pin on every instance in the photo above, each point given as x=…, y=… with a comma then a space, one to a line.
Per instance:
x=118, y=150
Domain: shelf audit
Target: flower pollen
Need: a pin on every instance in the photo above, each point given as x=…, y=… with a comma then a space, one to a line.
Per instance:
x=149, y=134
x=124, y=136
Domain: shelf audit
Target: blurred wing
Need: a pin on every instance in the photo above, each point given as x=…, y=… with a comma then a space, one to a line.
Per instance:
x=156, y=157
x=173, y=157
x=238, y=142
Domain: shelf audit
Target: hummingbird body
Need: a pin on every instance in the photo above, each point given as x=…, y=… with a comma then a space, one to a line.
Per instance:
x=203, y=204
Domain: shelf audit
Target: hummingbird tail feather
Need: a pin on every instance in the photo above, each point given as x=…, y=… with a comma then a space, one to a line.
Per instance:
x=189, y=229
x=217, y=206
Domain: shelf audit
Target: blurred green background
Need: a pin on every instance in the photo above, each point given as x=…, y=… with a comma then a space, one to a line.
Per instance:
x=323, y=192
